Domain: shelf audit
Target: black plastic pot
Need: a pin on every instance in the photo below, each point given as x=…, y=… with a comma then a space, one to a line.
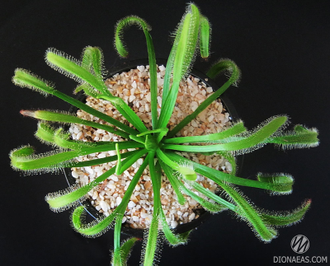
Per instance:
x=202, y=214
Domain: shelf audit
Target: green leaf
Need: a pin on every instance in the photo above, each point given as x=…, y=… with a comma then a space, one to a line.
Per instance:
x=250, y=214
x=187, y=172
x=22, y=152
x=175, y=183
x=94, y=228
x=72, y=68
x=116, y=257
x=71, y=119
x=280, y=183
x=243, y=145
x=204, y=41
x=280, y=219
x=161, y=133
x=24, y=159
x=118, y=166
x=45, y=133
x=87, y=89
x=235, y=129
x=186, y=42
x=225, y=204
x=92, y=59
x=26, y=79
x=158, y=130
x=228, y=67
x=168, y=73
x=207, y=205
x=152, y=240
x=137, y=139
x=65, y=199
x=61, y=139
x=127, y=163
x=279, y=186
x=125, y=250
x=173, y=239
x=300, y=137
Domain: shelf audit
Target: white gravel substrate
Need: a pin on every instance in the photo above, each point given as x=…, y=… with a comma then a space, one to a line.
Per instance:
x=133, y=87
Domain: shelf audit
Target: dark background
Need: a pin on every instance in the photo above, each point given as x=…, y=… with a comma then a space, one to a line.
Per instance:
x=282, y=49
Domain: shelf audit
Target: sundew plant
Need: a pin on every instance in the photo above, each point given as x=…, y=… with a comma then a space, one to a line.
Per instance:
x=158, y=146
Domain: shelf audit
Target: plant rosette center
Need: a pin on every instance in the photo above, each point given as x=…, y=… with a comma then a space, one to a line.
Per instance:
x=151, y=143
x=133, y=87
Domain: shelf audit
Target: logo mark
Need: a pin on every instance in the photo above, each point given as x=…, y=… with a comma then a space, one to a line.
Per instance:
x=300, y=244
